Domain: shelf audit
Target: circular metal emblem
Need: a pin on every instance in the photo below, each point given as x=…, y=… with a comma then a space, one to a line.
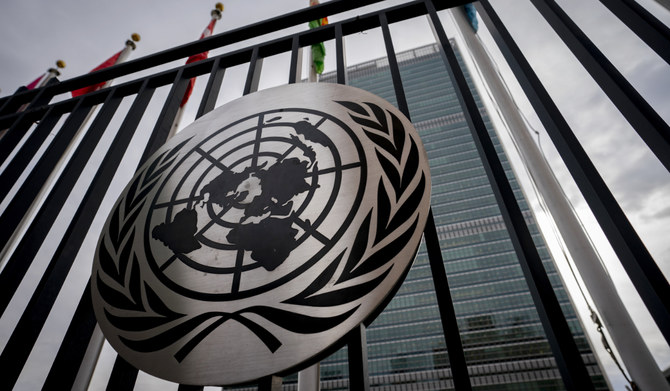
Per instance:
x=261, y=234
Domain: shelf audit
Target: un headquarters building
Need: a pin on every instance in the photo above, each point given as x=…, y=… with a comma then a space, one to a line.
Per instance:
x=504, y=343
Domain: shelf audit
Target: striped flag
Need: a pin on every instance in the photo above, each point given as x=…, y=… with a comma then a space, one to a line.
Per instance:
x=108, y=63
x=209, y=30
x=115, y=59
x=45, y=77
x=34, y=84
x=319, y=49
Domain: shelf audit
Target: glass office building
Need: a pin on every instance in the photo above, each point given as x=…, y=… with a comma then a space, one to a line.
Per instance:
x=504, y=342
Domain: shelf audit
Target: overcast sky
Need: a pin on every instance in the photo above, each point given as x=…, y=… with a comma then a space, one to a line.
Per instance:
x=84, y=33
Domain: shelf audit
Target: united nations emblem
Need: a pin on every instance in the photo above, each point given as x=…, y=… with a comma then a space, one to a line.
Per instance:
x=260, y=235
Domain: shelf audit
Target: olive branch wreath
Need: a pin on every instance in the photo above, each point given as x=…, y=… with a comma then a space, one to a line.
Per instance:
x=123, y=288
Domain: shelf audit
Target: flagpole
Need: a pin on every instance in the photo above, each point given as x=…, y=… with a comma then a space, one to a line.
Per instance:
x=215, y=15
x=50, y=74
x=625, y=335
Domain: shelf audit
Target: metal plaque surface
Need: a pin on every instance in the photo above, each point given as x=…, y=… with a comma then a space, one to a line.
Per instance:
x=261, y=234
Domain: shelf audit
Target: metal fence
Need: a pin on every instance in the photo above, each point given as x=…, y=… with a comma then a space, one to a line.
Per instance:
x=40, y=117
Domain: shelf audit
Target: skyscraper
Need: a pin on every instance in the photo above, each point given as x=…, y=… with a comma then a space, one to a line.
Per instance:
x=505, y=345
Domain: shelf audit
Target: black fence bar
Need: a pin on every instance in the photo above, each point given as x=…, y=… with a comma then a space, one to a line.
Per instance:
x=159, y=135
x=123, y=376
x=459, y=368
x=212, y=89
x=9, y=138
x=651, y=30
x=400, y=97
x=184, y=387
x=358, y=359
x=72, y=350
x=27, y=151
x=295, y=67
x=8, y=104
x=166, y=118
x=254, y=73
x=21, y=259
x=14, y=134
x=81, y=328
x=357, y=353
x=634, y=256
x=340, y=56
x=637, y=111
x=30, y=188
x=570, y=364
x=34, y=316
x=445, y=303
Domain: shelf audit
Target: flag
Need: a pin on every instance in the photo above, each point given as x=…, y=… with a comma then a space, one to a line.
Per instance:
x=209, y=30
x=34, y=84
x=319, y=49
x=108, y=63
x=471, y=14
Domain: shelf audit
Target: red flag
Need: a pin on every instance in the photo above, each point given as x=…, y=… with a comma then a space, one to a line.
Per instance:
x=110, y=61
x=209, y=30
x=35, y=83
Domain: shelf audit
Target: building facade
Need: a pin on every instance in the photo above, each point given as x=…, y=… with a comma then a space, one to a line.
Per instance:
x=504, y=342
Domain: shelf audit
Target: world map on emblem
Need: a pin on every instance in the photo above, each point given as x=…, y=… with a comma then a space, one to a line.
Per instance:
x=261, y=235
x=225, y=203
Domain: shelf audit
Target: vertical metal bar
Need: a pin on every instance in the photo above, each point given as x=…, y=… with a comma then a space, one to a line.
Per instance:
x=637, y=111
x=158, y=137
x=570, y=364
x=14, y=134
x=212, y=89
x=19, y=262
x=356, y=339
x=8, y=104
x=80, y=326
x=38, y=176
x=459, y=369
x=184, y=387
x=27, y=151
x=254, y=74
x=357, y=349
x=634, y=256
x=167, y=115
x=32, y=320
x=393, y=66
x=445, y=303
x=9, y=138
x=651, y=30
x=340, y=55
x=72, y=350
x=123, y=376
x=295, y=68
x=270, y=383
